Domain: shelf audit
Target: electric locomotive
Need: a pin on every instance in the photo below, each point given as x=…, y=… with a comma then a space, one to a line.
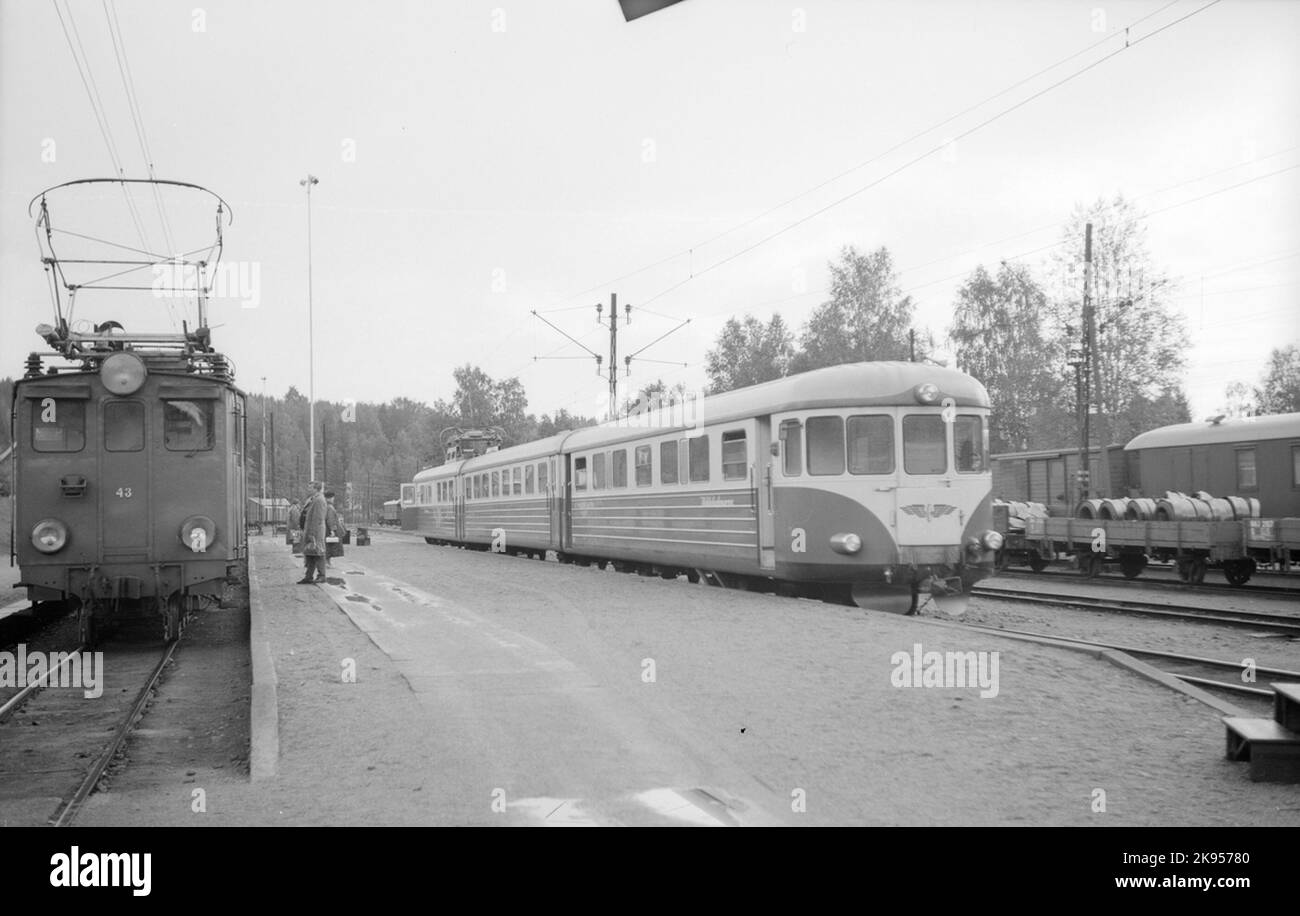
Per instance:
x=868, y=480
x=128, y=461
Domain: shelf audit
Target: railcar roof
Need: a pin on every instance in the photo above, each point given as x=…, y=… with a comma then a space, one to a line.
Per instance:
x=1235, y=429
x=850, y=385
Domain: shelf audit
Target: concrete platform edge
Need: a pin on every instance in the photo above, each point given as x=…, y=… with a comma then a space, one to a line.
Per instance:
x=264, y=714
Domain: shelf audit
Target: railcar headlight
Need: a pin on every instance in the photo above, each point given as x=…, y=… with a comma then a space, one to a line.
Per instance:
x=49, y=535
x=992, y=540
x=198, y=532
x=927, y=393
x=123, y=373
x=846, y=543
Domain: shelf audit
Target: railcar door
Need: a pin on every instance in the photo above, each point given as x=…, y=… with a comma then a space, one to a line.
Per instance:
x=554, y=504
x=124, y=492
x=761, y=480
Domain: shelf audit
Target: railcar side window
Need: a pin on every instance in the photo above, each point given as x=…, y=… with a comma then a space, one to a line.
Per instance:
x=668, y=462
x=699, y=453
x=735, y=455
x=469, y=488
x=598, y=471
x=528, y=479
x=791, y=434
x=825, y=445
x=516, y=482
x=1295, y=465
x=58, y=425
x=871, y=445
x=969, y=441
x=619, y=467
x=1246, y=469
x=925, y=446
x=541, y=477
x=580, y=473
x=408, y=494
x=187, y=425
x=496, y=483
x=644, y=469
x=123, y=426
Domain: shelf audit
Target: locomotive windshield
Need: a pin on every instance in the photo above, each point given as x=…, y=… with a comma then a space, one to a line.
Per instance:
x=187, y=425
x=968, y=440
x=123, y=426
x=59, y=425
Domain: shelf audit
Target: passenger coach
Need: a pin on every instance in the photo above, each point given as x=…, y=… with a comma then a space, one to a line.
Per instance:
x=868, y=479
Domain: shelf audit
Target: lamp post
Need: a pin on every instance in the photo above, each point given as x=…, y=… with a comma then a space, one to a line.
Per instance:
x=311, y=363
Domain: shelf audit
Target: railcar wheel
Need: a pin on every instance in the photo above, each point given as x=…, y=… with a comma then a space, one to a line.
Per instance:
x=1238, y=572
x=1036, y=562
x=1131, y=565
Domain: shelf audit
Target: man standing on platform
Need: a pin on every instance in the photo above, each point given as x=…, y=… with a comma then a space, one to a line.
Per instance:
x=313, y=533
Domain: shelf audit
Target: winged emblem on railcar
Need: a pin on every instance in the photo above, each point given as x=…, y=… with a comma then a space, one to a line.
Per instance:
x=938, y=510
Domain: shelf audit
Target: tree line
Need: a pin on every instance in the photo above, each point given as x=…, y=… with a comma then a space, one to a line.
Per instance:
x=1016, y=329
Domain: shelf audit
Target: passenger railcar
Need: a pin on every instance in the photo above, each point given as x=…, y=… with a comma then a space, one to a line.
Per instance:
x=869, y=479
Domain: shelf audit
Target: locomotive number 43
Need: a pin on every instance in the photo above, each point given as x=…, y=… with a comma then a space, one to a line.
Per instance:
x=124, y=492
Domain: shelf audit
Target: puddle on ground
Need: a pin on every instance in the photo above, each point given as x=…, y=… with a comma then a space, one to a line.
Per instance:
x=361, y=598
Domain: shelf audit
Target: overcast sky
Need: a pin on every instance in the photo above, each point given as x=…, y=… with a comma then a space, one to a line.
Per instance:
x=478, y=161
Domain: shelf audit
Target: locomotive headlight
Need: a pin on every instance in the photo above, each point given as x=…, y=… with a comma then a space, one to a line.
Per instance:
x=992, y=540
x=927, y=393
x=123, y=373
x=846, y=543
x=198, y=532
x=49, y=535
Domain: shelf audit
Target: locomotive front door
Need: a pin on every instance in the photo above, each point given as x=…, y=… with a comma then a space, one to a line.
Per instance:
x=124, y=497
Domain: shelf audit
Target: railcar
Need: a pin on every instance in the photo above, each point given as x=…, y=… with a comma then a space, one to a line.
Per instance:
x=868, y=480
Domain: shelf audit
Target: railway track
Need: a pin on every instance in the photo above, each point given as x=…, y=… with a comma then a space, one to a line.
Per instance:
x=52, y=727
x=1282, y=623
x=1145, y=581
x=1194, y=669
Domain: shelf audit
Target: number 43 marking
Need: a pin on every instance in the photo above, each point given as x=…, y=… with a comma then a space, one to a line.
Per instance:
x=124, y=492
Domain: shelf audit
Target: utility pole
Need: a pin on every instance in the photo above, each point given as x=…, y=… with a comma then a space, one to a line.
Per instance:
x=311, y=355
x=613, y=348
x=1085, y=372
x=274, y=487
x=1102, y=488
x=261, y=512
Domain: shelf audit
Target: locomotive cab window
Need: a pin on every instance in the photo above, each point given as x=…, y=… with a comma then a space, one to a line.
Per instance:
x=58, y=425
x=925, y=444
x=735, y=455
x=123, y=426
x=187, y=426
x=970, y=442
x=871, y=445
x=791, y=435
x=825, y=445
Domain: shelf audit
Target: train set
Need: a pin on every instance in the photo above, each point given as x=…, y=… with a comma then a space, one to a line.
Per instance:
x=867, y=480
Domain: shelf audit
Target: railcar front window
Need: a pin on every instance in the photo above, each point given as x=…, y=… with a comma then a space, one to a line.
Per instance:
x=123, y=426
x=871, y=445
x=735, y=455
x=925, y=445
x=187, y=426
x=825, y=445
x=58, y=425
x=969, y=441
